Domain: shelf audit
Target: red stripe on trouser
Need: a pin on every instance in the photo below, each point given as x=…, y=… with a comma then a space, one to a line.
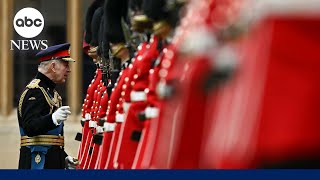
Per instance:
x=113, y=145
x=126, y=147
x=104, y=150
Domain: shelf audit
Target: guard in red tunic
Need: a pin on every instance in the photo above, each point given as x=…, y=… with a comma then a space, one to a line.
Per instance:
x=115, y=36
x=88, y=102
x=183, y=86
x=163, y=27
x=268, y=115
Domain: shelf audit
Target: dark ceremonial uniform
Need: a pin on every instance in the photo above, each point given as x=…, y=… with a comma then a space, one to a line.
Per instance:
x=41, y=140
x=37, y=103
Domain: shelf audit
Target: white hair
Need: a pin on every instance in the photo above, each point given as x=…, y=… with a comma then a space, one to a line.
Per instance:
x=44, y=66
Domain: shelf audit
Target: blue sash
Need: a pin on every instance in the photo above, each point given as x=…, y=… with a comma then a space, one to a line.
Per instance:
x=38, y=152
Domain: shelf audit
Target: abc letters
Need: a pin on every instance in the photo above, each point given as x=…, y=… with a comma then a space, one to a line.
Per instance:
x=28, y=22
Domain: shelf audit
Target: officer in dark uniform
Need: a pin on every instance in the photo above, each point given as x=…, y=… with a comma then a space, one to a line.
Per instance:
x=41, y=114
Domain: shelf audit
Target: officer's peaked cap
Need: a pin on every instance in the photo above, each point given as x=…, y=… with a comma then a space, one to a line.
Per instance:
x=60, y=51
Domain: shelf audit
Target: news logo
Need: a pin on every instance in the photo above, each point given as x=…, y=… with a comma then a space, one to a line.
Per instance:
x=28, y=23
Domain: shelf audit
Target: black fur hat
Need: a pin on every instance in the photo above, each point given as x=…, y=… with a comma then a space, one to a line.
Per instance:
x=163, y=10
x=95, y=26
x=155, y=9
x=89, y=15
x=115, y=10
x=135, y=5
x=100, y=36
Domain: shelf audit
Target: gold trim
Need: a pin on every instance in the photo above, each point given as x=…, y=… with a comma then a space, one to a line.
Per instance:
x=118, y=48
x=159, y=25
x=34, y=84
x=42, y=143
x=141, y=18
x=42, y=140
x=140, y=23
x=56, y=101
x=43, y=136
x=37, y=159
x=21, y=101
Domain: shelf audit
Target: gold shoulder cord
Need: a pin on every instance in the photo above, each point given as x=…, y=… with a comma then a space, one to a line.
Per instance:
x=57, y=98
x=21, y=101
x=33, y=84
x=56, y=101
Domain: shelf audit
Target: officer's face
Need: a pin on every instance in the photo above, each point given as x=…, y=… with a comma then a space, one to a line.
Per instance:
x=61, y=70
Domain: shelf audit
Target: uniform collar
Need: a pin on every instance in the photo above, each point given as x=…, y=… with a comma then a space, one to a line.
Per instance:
x=45, y=80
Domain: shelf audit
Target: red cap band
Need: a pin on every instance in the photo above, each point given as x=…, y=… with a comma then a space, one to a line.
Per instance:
x=57, y=55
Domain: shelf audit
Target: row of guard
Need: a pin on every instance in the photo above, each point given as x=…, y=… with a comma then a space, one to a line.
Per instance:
x=202, y=84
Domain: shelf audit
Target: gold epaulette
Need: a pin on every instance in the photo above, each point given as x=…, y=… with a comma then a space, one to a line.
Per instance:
x=55, y=101
x=34, y=84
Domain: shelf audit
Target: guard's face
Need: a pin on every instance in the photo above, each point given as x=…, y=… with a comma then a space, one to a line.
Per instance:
x=61, y=71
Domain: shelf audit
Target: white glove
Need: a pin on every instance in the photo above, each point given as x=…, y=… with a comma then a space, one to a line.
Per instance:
x=71, y=163
x=61, y=115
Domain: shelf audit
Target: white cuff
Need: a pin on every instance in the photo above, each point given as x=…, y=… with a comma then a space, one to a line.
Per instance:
x=54, y=120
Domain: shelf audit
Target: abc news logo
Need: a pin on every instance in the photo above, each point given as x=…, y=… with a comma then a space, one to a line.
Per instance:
x=28, y=23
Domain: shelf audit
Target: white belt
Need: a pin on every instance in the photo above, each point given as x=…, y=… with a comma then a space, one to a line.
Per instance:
x=92, y=124
x=136, y=96
x=126, y=106
x=151, y=112
x=119, y=118
x=108, y=127
x=99, y=129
